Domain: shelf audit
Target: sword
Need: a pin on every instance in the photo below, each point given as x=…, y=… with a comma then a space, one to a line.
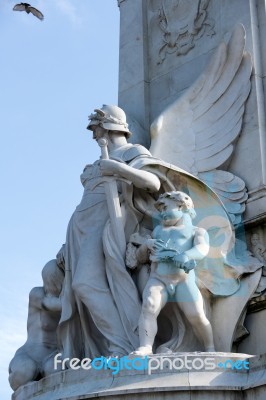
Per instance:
x=113, y=204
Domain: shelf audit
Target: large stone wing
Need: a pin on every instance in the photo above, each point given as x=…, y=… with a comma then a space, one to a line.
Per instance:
x=198, y=131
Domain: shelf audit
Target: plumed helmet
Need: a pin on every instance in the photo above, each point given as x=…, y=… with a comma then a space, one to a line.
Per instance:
x=112, y=118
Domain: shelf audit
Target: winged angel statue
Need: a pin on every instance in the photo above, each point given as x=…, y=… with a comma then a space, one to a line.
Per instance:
x=198, y=133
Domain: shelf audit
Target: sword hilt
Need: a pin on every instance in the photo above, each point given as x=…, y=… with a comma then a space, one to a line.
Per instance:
x=104, y=150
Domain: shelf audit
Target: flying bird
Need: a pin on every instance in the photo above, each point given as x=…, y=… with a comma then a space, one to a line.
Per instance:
x=29, y=9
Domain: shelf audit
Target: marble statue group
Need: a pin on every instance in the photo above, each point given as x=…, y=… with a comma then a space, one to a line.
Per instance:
x=150, y=258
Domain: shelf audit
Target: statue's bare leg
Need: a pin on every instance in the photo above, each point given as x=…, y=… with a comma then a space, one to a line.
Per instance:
x=154, y=299
x=190, y=301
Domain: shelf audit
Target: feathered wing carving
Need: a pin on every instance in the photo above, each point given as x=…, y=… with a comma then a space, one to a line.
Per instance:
x=198, y=131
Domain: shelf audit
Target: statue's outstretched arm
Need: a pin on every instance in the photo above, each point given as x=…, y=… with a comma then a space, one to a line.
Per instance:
x=139, y=178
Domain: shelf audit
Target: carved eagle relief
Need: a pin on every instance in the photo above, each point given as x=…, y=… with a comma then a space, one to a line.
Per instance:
x=182, y=22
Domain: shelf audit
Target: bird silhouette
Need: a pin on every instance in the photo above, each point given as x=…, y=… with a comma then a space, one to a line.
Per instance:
x=29, y=9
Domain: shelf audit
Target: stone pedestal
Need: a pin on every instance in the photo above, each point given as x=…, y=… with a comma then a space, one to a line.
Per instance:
x=185, y=383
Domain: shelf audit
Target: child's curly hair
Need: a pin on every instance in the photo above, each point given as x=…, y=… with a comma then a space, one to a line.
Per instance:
x=180, y=198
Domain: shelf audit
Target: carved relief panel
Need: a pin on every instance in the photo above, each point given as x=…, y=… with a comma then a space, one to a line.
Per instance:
x=179, y=23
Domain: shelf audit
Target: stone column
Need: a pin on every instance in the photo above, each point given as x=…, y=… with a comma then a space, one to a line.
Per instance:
x=133, y=62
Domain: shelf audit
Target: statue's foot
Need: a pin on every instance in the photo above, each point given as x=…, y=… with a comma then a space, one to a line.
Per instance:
x=142, y=351
x=210, y=349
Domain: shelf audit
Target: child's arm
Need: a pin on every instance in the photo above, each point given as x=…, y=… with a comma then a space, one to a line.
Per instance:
x=150, y=246
x=199, y=250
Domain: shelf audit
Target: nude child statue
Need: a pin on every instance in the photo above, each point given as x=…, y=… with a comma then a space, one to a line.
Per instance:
x=175, y=246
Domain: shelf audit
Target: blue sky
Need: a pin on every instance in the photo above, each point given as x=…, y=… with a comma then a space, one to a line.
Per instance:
x=53, y=74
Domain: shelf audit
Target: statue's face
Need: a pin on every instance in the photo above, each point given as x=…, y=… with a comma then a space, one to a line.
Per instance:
x=171, y=212
x=98, y=132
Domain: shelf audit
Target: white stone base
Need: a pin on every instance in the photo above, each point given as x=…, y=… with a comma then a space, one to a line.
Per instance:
x=184, y=384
